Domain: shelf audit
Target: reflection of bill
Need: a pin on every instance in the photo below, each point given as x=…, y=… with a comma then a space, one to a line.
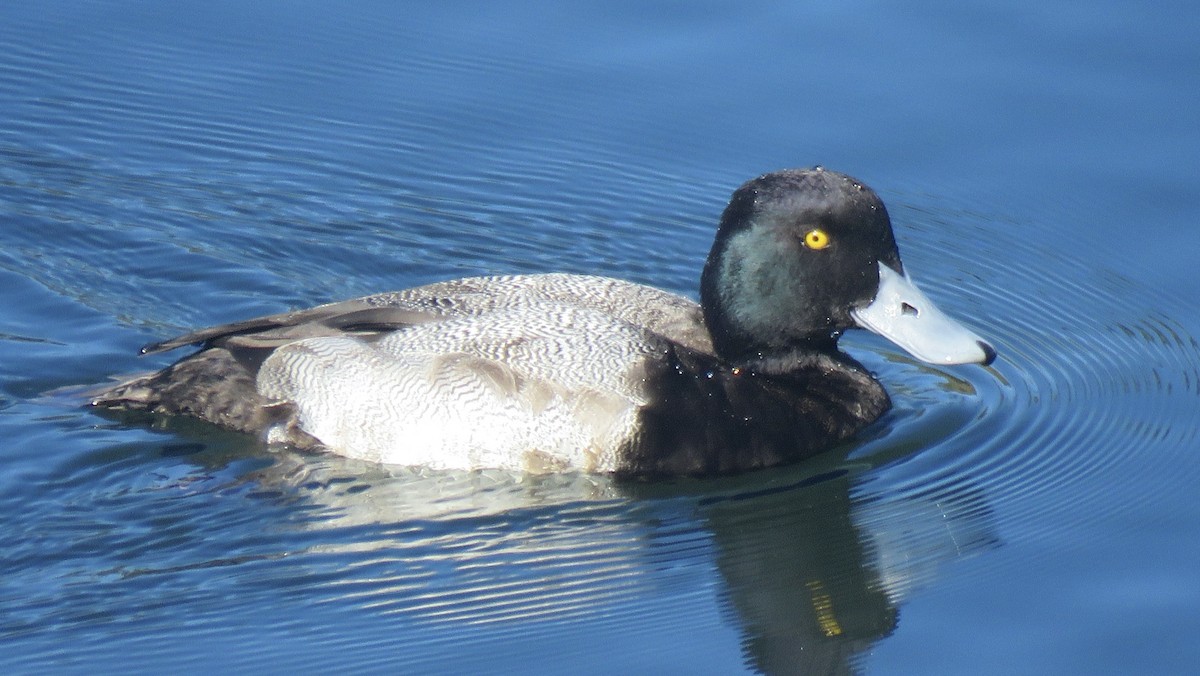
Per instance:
x=816, y=578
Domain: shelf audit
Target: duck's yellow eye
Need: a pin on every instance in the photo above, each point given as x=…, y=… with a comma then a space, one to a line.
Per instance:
x=816, y=239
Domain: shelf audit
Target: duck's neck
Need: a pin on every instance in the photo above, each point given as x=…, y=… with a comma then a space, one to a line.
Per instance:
x=796, y=356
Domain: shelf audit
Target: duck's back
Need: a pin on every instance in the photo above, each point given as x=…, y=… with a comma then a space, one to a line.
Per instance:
x=669, y=315
x=542, y=373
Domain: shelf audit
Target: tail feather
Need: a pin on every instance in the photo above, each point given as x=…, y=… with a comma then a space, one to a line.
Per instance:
x=210, y=385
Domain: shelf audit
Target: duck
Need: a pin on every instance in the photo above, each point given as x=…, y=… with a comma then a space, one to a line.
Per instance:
x=553, y=372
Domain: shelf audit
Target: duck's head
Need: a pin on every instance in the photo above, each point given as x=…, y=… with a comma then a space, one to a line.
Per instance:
x=804, y=254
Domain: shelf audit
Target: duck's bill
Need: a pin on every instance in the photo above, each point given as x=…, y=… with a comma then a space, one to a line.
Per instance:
x=904, y=315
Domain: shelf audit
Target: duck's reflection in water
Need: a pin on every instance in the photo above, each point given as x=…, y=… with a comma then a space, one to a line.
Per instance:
x=810, y=574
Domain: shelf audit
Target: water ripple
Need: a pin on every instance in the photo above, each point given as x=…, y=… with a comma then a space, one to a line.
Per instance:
x=1086, y=383
x=177, y=191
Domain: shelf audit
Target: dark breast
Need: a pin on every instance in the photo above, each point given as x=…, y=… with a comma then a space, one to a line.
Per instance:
x=705, y=417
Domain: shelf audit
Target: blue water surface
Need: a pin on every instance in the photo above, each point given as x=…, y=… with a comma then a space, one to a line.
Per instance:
x=167, y=166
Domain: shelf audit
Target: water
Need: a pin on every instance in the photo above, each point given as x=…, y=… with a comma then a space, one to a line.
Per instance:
x=164, y=167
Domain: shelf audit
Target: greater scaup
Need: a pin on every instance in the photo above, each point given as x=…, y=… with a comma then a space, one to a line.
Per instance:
x=558, y=372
